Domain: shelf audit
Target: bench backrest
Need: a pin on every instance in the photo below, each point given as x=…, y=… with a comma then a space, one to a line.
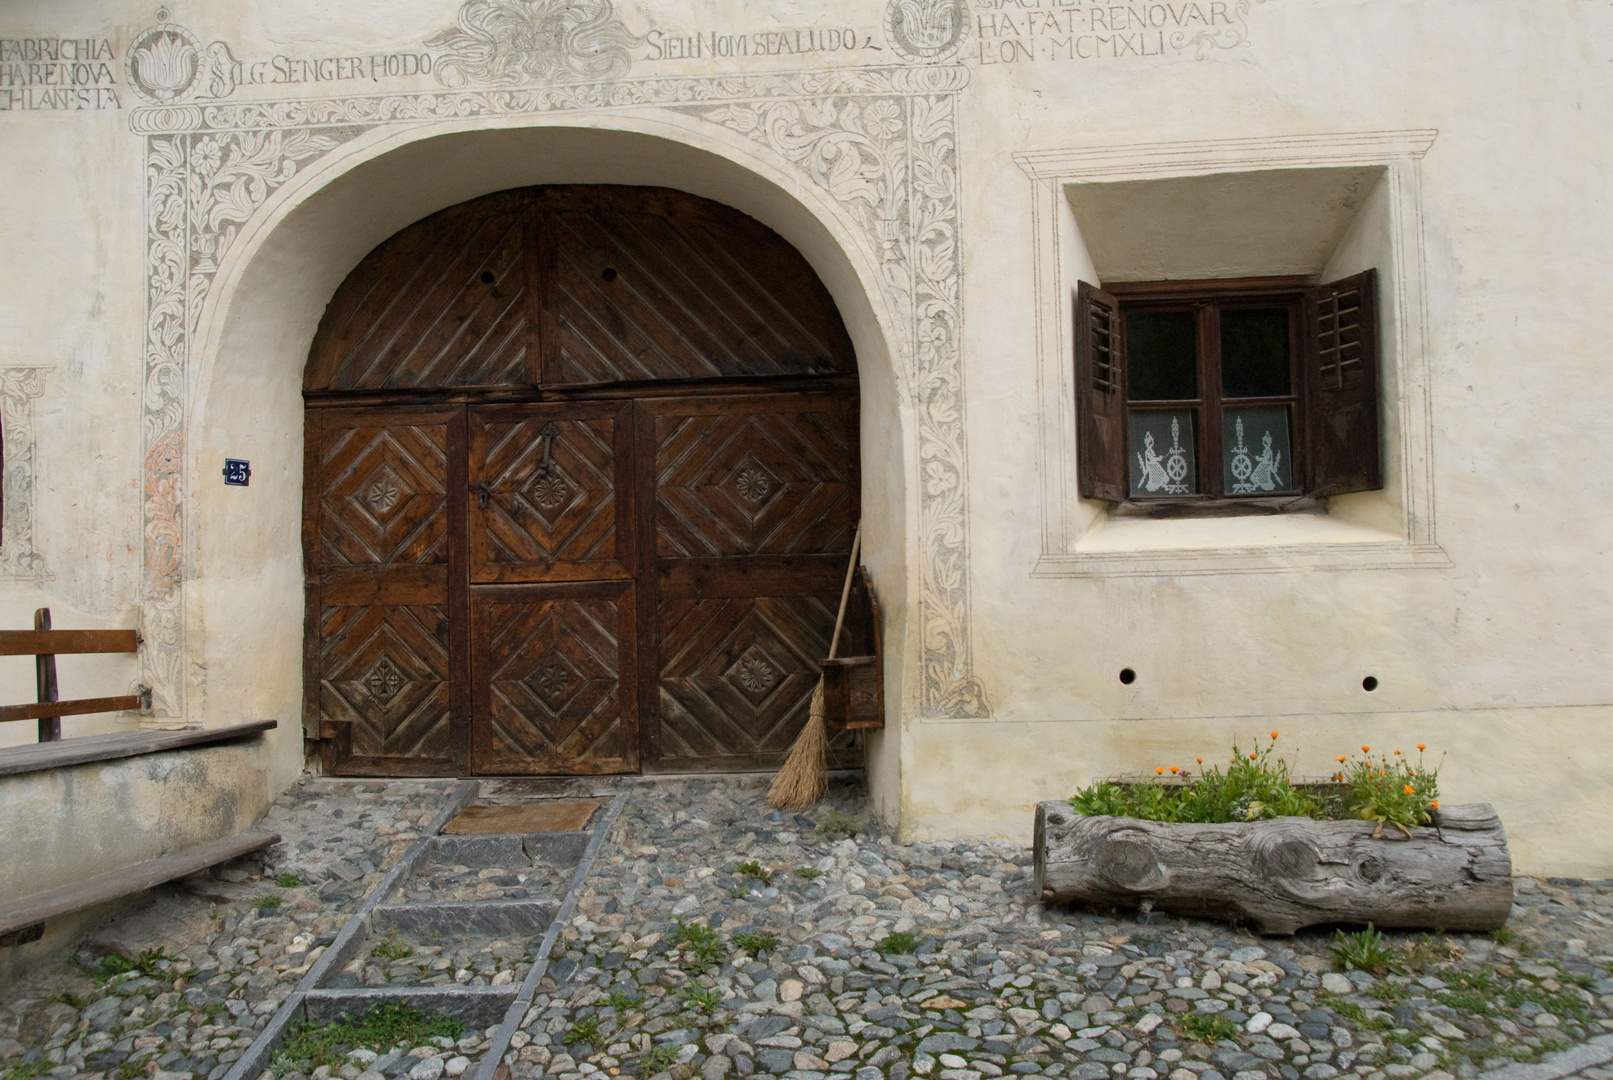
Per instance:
x=45, y=644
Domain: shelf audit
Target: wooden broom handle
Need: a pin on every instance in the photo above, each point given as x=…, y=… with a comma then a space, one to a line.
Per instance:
x=845, y=590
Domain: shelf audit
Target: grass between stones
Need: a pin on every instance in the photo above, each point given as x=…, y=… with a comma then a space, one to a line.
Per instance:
x=308, y=1045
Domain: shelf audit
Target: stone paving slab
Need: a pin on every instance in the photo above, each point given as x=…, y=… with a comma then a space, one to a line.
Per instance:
x=461, y=918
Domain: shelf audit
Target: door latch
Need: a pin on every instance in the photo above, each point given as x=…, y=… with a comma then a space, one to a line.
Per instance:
x=549, y=434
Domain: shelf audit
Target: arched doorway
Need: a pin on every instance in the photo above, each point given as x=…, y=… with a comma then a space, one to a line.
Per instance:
x=581, y=476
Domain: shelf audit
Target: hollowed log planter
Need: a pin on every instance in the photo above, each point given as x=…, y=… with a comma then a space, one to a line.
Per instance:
x=1279, y=876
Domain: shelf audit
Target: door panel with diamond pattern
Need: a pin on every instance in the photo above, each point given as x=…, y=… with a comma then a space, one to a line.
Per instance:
x=551, y=493
x=379, y=597
x=554, y=670
x=771, y=474
x=755, y=504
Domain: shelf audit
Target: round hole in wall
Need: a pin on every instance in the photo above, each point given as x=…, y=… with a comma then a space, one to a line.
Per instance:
x=1369, y=683
x=1128, y=676
x=609, y=273
x=487, y=277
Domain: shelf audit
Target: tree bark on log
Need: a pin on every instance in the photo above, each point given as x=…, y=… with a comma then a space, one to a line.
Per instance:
x=1282, y=875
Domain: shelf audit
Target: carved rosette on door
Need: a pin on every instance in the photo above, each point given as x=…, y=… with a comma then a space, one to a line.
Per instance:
x=617, y=543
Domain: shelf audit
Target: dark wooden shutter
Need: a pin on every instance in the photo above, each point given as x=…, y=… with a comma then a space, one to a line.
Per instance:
x=1100, y=395
x=1342, y=386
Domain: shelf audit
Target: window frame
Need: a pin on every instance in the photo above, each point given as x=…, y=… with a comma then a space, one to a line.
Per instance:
x=1335, y=439
x=1206, y=299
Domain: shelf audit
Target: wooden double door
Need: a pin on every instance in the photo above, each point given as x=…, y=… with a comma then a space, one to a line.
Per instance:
x=580, y=482
x=574, y=587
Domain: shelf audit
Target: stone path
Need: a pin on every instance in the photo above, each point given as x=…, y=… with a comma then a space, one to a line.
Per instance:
x=714, y=939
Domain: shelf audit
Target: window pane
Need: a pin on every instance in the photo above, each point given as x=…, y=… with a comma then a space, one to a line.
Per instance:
x=1162, y=459
x=1161, y=356
x=1254, y=352
x=1256, y=454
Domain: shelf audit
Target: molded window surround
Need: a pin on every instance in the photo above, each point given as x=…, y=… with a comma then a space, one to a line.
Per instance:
x=1230, y=208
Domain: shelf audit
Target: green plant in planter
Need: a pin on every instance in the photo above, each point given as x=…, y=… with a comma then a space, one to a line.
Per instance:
x=1255, y=786
x=1390, y=790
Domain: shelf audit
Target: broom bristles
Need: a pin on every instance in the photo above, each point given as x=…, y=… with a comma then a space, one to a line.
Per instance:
x=805, y=775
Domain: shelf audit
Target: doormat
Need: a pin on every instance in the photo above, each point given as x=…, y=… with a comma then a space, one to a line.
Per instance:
x=560, y=816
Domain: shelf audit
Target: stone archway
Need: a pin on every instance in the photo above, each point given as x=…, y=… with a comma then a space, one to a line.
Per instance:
x=223, y=575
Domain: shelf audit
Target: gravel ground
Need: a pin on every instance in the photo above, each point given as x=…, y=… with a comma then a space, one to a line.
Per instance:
x=715, y=940
x=229, y=960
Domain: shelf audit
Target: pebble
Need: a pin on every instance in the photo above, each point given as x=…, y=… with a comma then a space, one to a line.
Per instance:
x=429, y=1069
x=998, y=985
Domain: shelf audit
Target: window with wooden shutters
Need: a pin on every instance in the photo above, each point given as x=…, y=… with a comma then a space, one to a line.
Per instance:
x=1260, y=391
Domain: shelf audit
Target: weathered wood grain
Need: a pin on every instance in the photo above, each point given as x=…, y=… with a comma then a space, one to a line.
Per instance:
x=1280, y=876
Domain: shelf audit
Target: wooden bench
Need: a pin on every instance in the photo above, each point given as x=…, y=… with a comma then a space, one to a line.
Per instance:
x=23, y=920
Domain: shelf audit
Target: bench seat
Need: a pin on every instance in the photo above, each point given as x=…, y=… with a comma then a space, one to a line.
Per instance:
x=35, y=757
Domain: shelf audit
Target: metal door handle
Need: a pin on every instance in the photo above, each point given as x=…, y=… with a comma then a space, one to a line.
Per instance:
x=549, y=434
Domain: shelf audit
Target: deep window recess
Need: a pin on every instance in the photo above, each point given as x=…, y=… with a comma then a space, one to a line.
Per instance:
x=1251, y=390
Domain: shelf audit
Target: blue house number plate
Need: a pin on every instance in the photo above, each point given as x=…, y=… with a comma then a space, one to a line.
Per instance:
x=237, y=472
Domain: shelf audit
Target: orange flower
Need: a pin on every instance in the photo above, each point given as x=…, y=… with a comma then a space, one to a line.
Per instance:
x=1339, y=758
x=1410, y=790
x=1199, y=760
x=1397, y=753
x=1273, y=734
x=1160, y=771
x=1366, y=749
x=1251, y=757
x=1434, y=803
x=1422, y=746
x=1175, y=769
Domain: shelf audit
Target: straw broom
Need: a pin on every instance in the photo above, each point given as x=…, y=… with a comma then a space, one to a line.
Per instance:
x=805, y=775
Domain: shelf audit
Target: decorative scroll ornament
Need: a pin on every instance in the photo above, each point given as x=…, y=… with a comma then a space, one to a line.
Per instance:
x=1259, y=474
x=926, y=29
x=1225, y=37
x=510, y=42
x=163, y=63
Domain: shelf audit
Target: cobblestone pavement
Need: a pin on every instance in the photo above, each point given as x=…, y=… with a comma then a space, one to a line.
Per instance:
x=714, y=939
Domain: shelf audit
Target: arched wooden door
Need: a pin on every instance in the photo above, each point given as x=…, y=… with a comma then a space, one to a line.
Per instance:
x=581, y=478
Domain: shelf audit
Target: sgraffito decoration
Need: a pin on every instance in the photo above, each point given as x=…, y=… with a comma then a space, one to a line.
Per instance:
x=510, y=42
x=164, y=62
x=926, y=29
x=20, y=387
x=880, y=141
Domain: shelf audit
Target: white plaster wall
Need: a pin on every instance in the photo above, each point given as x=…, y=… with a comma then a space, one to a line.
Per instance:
x=1491, y=647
